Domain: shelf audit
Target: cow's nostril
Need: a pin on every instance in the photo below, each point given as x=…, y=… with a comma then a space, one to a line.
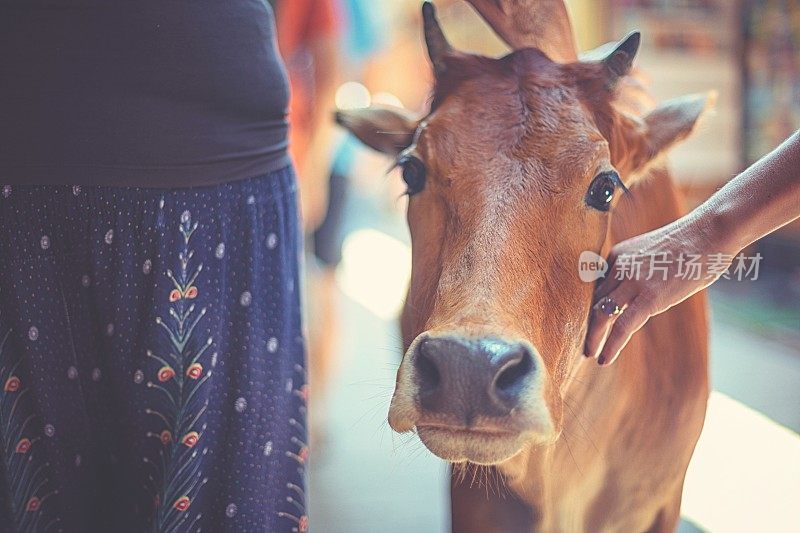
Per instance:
x=465, y=378
x=511, y=378
x=429, y=377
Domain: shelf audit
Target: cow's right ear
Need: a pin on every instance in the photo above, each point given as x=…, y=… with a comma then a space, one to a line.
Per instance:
x=387, y=129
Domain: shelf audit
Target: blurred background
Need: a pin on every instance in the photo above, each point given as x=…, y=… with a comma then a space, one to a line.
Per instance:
x=745, y=475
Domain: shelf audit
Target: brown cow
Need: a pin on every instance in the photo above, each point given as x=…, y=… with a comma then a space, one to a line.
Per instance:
x=522, y=164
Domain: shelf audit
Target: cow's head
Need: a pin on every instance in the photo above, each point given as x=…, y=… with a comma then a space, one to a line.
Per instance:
x=515, y=172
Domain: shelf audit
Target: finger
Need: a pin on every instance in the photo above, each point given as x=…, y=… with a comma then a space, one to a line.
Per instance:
x=599, y=327
x=606, y=285
x=600, y=323
x=622, y=330
x=610, y=281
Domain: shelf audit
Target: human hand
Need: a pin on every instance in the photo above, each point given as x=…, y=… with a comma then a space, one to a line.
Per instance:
x=629, y=295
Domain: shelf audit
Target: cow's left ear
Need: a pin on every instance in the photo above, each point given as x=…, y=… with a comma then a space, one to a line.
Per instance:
x=385, y=128
x=675, y=120
x=636, y=143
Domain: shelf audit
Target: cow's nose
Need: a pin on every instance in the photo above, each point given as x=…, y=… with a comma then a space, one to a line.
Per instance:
x=465, y=378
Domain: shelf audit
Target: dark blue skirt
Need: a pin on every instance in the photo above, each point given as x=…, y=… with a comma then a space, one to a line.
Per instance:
x=151, y=359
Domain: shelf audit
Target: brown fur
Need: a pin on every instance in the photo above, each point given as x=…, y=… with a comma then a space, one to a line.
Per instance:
x=510, y=147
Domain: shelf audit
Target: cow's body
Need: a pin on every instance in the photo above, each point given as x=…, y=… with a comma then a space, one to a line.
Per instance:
x=519, y=168
x=629, y=430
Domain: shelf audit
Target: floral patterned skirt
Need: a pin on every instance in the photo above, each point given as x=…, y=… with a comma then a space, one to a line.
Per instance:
x=151, y=359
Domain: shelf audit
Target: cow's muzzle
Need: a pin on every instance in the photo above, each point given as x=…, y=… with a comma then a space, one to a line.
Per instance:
x=478, y=399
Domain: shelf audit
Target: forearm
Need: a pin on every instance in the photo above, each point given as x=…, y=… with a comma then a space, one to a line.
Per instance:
x=760, y=200
x=326, y=54
x=321, y=125
x=315, y=166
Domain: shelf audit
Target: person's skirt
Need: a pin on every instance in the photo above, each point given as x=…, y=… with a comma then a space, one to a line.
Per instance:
x=151, y=359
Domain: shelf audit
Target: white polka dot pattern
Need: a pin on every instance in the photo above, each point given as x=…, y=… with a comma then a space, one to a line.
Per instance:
x=245, y=299
x=272, y=345
x=148, y=313
x=240, y=405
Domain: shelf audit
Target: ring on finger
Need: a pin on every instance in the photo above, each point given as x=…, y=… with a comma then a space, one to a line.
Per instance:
x=608, y=306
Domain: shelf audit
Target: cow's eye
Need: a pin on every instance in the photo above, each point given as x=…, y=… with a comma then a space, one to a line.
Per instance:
x=601, y=191
x=413, y=173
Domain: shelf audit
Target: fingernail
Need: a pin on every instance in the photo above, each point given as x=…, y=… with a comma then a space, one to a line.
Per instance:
x=601, y=360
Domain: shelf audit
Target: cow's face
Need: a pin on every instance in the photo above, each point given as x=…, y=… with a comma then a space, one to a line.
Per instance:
x=513, y=174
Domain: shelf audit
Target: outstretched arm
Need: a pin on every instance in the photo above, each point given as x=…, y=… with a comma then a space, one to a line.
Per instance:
x=760, y=200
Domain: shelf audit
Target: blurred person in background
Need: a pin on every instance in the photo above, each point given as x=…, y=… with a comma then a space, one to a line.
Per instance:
x=361, y=38
x=151, y=351
x=324, y=42
x=309, y=39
